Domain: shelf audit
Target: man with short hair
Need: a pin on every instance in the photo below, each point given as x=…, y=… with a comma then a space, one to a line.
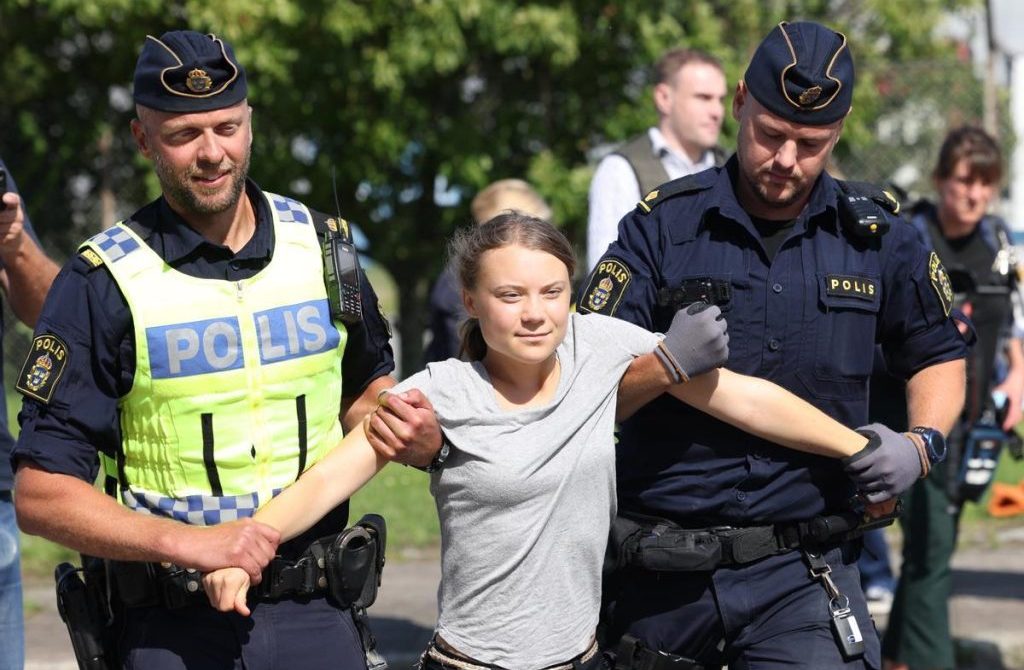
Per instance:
x=689, y=94
x=199, y=353
x=735, y=560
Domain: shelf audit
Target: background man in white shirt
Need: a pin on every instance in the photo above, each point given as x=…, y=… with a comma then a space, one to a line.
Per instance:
x=689, y=94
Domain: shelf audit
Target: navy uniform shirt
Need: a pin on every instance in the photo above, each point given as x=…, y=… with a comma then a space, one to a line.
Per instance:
x=86, y=310
x=807, y=320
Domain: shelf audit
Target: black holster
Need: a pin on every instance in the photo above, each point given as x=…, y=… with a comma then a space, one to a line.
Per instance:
x=355, y=562
x=85, y=609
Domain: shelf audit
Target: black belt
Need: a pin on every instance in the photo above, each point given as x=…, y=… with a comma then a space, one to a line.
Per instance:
x=632, y=655
x=168, y=585
x=304, y=577
x=661, y=545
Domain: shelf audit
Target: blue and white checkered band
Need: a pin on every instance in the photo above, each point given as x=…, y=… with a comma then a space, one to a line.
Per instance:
x=196, y=510
x=115, y=242
x=288, y=210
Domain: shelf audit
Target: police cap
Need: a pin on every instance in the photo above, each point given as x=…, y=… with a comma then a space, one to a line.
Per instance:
x=185, y=71
x=802, y=72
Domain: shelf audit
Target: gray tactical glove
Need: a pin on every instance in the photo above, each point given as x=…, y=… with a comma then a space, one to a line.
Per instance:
x=887, y=466
x=696, y=342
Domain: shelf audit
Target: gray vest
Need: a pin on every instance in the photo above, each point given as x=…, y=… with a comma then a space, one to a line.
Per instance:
x=650, y=173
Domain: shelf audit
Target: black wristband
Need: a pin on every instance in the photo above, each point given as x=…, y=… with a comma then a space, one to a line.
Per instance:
x=874, y=442
x=440, y=457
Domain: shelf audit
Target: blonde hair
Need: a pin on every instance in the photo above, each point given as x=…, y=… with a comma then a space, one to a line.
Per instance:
x=508, y=195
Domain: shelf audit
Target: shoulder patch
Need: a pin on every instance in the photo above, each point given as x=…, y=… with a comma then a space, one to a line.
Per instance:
x=91, y=257
x=607, y=283
x=43, y=367
x=940, y=282
x=688, y=184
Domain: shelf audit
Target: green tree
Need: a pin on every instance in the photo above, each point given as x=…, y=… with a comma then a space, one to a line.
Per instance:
x=414, y=105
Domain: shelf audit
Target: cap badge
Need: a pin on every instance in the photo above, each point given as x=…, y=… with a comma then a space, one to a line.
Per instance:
x=809, y=96
x=198, y=81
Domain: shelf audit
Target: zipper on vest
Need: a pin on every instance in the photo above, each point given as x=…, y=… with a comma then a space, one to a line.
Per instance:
x=238, y=290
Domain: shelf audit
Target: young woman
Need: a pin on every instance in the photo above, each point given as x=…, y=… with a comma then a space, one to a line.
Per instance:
x=527, y=494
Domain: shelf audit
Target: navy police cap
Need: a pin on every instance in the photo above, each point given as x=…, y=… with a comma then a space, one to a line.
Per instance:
x=802, y=72
x=185, y=71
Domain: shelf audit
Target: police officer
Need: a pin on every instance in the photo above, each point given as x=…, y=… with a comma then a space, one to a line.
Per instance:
x=807, y=292
x=192, y=349
x=959, y=227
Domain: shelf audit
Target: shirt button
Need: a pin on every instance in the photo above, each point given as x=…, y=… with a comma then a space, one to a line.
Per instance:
x=777, y=287
x=741, y=496
x=235, y=265
x=773, y=344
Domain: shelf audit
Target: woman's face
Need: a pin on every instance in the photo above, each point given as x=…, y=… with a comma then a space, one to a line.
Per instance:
x=522, y=302
x=964, y=197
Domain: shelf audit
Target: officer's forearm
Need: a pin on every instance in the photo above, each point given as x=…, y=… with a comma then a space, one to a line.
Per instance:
x=935, y=395
x=646, y=378
x=354, y=408
x=71, y=512
x=767, y=410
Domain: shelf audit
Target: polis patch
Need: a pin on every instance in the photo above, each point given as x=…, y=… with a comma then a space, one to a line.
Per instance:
x=940, y=282
x=43, y=367
x=607, y=284
x=848, y=286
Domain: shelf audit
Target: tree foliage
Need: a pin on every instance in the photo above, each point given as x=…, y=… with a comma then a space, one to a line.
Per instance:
x=413, y=104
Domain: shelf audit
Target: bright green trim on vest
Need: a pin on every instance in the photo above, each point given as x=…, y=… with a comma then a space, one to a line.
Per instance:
x=233, y=361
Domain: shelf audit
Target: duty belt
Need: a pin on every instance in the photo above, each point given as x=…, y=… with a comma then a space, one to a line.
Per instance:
x=661, y=545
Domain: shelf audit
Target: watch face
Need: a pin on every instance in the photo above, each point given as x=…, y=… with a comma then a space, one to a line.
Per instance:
x=934, y=442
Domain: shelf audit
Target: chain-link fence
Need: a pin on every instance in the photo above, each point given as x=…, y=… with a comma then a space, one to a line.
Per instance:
x=917, y=105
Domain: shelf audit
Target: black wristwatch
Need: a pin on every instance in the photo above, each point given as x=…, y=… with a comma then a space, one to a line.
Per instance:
x=934, y=443
x=440, y=457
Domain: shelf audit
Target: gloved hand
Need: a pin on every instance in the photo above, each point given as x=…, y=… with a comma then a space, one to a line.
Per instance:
x=888, y=465
x=696, y=342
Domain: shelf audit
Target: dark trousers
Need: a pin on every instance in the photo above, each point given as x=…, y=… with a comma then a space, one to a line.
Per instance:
x=286, y=635
x=767, y=614
x=918, y=632
x=875, y=569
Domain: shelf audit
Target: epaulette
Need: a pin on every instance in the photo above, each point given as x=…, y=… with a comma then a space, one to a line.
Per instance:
x=91, y=258
x=868, y=190
x=326, y=226
x=688, y=184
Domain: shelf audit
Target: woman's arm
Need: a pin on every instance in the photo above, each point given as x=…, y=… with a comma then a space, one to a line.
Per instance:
x=324, y=486
x=767, y=410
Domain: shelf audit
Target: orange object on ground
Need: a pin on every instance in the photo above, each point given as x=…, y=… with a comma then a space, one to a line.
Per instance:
x=1006, y=500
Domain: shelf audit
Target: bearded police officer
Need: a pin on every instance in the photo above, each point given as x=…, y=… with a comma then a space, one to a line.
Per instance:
x=196, y=350
x=744, y=567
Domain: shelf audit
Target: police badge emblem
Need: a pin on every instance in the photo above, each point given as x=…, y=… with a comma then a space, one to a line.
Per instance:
x=606, y=286
x=809, y=96
x=940, y=282
x=198, y=81
x=43, y=367
x=39, y=373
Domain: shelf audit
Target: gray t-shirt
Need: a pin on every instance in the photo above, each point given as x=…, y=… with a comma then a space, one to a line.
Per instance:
x=526, y=498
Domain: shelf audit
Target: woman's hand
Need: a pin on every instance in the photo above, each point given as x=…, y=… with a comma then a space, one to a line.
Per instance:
x=226, y=588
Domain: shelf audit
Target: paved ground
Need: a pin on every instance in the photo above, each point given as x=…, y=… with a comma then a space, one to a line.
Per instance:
x=987, y=610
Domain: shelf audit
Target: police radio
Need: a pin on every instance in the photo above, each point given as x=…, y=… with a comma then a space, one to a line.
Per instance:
x=862, y=208
x=862, y=216
x=341, y=267
x=341, y=277
x=3, y=188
